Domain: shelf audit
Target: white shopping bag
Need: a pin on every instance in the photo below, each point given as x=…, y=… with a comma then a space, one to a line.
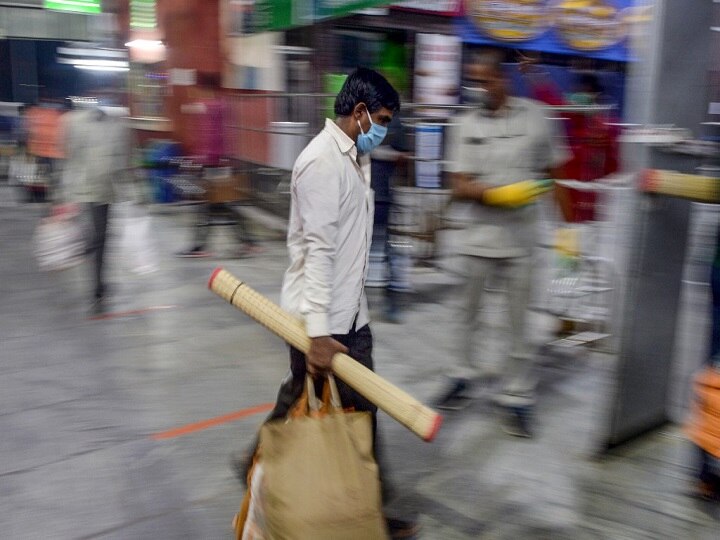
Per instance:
x=23, y=171
x=59, y=241
x=255, y=524
x=137, y=246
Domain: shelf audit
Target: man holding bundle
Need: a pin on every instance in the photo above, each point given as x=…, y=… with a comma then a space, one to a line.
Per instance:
x=329, y=237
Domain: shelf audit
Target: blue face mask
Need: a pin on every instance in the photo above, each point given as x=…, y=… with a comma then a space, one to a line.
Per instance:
x=366, y=142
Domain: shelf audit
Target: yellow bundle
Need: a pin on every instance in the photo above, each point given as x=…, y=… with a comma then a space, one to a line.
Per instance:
x=516, y=194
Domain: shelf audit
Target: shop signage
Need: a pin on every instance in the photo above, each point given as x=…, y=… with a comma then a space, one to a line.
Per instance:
x=587, y=25
x=595, y=28
x=79, y=6
x=510, y=20
x=253, y=16
x=337, y=8
x=142, y=14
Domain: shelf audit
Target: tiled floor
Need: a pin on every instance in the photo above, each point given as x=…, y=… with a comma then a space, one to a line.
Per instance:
x=81, y=399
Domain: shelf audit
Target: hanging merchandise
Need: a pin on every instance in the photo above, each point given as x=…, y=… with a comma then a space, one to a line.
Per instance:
x=437, y=69
x=428, y=151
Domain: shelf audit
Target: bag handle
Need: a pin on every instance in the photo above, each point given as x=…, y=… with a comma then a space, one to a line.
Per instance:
x=332, y=399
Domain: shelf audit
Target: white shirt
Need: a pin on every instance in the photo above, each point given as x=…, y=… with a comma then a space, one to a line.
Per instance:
x=329, y=235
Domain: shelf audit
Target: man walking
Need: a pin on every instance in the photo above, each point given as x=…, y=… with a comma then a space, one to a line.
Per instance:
x=329, y=237
x=496, y=152
x=97, y=149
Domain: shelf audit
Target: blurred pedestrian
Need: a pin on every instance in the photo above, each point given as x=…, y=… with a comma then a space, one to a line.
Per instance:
x=384, y=162
x=209, y=152
x=492, y=149
x=97, y=149
x=329, y=236
x=44, y=142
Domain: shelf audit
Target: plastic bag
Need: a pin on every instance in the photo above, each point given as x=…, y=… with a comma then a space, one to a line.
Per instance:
x=59, y=240
x=137, y=247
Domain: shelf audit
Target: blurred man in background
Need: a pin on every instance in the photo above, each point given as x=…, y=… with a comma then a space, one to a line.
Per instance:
x=97, y=150
x=209, y=150
x=44, y=142
x=503, y=141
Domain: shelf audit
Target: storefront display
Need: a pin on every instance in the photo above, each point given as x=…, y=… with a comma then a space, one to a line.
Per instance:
x=589, y=28
x=437, y=69
x=511, y=20
x=587, y=25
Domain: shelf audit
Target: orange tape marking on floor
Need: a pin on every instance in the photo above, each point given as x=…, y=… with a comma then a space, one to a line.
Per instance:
x=211, y=422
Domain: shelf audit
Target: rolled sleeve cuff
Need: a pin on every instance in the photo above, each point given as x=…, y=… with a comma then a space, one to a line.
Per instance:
x=316, y=324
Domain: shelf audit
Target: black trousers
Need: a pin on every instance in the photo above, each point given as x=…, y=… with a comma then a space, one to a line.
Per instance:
x=360, y=345
x=99, y=215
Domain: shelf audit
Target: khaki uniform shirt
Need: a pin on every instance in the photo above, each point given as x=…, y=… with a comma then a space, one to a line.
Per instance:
x=518, y=143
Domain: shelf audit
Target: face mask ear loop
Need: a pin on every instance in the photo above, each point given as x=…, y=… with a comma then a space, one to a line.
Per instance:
x=371, y=123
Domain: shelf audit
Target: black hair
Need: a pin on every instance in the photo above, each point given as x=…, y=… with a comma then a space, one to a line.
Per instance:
x=591, y=82
x=369, y=87
x=492, y=58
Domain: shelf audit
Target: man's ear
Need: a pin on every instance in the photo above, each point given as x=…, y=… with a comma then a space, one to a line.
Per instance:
x=359, y=111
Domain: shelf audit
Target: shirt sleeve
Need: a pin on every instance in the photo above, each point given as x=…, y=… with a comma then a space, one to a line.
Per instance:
x=317, y=191
x=455, y=148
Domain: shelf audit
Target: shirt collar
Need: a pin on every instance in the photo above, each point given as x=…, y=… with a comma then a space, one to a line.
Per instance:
x=510, y=108
x=345, y=143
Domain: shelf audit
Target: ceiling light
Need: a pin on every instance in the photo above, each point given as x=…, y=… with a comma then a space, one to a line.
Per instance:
x=103, y=68
x=103, y=63
x=144, y=44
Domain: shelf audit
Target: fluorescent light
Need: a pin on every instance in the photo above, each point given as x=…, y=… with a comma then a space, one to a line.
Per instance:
x=145, y=44
x=76, y=51
x=101, y=63
x=103, y=68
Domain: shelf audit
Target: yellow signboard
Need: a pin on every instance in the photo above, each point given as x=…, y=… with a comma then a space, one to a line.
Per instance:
x=510, y=20
x=587, y=25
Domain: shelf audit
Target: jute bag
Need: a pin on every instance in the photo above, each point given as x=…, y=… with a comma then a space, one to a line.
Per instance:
x=319, y=476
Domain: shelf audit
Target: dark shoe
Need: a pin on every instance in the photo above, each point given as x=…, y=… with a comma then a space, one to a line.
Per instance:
x=455, y=397
x=707, y=492
x=399, y=528
x=194, y=253
x=516, y=421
